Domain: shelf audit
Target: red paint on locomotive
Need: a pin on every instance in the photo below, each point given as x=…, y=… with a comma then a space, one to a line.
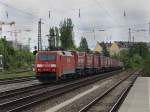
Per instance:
x=53, y=64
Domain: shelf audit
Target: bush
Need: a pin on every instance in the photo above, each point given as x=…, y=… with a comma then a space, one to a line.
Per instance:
x=137, y=56
x=146, y=66
x=14, y=59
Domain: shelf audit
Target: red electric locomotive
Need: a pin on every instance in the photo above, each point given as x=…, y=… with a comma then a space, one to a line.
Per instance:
x=54, y=65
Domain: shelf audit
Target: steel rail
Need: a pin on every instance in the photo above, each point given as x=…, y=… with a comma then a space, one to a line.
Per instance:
x=17, y=91
x=89, y=105
x=122, y=97
x=17, y=80
x=27, y=101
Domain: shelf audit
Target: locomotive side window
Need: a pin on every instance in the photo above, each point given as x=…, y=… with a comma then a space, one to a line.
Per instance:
x=46, y=57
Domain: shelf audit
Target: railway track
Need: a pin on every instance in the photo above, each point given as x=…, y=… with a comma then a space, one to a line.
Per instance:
x=19, y=71
x=25, y=98
x=111, y=99
x=17, y=80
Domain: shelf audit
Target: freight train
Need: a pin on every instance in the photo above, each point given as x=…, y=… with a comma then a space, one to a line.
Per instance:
x=56, y=65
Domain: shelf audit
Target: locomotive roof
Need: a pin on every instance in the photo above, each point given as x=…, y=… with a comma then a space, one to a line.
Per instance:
x=64, y=53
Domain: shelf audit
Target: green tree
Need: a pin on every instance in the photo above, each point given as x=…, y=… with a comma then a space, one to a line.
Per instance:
x=51, y=38
x=137, y=56
x=136, y=61
x=57, y=37
x=83, y=45
x=105, y=51
x=123, y=56
x=14, y=59
x=140, y=48
x=66, y=34
x=146, y=66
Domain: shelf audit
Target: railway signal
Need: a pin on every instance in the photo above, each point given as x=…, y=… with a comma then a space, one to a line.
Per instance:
x=35, y=50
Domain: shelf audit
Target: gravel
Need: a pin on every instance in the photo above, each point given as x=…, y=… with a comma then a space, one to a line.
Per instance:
x=18, y=85
x=106, y=103
x=78, y=104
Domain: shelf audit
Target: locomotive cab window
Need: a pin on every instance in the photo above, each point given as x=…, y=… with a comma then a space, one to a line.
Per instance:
x=46, y=57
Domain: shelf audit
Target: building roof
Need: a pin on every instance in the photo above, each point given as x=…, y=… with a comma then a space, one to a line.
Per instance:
x=121, y=44
x=114, y=47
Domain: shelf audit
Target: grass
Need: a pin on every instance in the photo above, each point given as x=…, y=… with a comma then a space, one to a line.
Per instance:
x=16, y=75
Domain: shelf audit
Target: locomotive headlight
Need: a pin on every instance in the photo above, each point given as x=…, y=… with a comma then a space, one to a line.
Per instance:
x=39, y=65
x=53, y=65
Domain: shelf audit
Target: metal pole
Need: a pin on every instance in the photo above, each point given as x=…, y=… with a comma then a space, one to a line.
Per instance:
x=149, y=28
x=4, y=52
x=129, y=34
x=39, y=36
x=133, y=39
x=29, y=40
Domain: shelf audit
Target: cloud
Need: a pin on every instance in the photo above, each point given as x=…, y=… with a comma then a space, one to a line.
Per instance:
x=95, y=14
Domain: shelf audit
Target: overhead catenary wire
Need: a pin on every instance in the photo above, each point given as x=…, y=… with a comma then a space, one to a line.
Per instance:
x=17, y=9
x=107, y=12
x=24, y=12
x=98, y=3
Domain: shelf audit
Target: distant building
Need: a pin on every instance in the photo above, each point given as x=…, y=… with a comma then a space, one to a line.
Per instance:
x=98, y=48
x=18, y=46
x=114, y=48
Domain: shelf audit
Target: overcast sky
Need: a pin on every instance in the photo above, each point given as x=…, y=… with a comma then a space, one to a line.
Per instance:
x=96, y=15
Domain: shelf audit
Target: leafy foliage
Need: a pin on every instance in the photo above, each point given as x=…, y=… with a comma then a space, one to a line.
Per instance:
x=66, y=34
x=105, y=51
x=51, y=38
x=54, y=38
x=83, y=45
x=146, y=66
x=57, y=37
x=140, y=48
x=15, y=58
x=137, y=56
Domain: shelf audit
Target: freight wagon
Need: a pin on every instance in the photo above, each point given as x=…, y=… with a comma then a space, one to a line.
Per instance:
x=56, y=65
